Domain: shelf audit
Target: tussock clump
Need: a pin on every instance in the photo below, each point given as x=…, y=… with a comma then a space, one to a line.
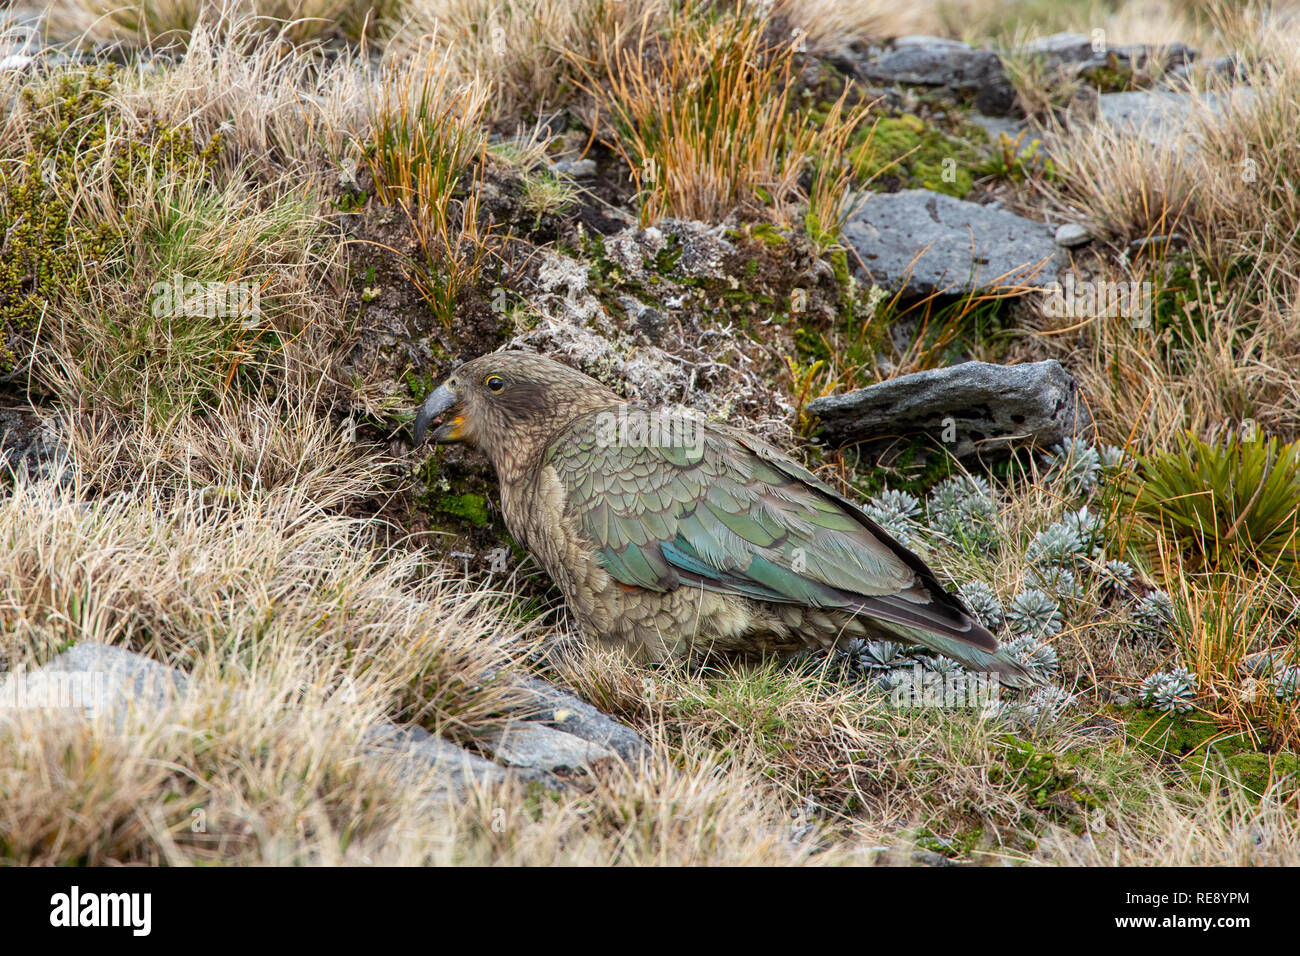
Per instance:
x=278, y=108
x=698, y=107
x=524, y=49
x=171, y=24
x=184, y=576
x=161, y=284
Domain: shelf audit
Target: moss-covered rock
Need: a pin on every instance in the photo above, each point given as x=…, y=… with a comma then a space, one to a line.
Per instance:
x=906, y=152
x=1210, y=754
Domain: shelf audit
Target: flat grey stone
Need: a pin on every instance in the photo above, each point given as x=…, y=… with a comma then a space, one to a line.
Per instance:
x=929, y=41
x=1164, y=117
x=561, y=710
x=983, y=407
x=933, y=61
x=1065, y=47
x=1077, y=52
x=94, y=679
x=575, y=168
x=1071, y=234
x=20, y=38
x=1160, y=241
x=414, y=752
x=958, y=246
x=1233, y=67
x=23, y=14
x=535, y=746
x=998, y=126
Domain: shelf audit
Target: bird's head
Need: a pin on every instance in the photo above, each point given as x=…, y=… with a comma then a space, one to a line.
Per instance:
x=508, y=405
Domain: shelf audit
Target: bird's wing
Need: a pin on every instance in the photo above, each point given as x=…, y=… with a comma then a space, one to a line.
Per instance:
x=727, y=513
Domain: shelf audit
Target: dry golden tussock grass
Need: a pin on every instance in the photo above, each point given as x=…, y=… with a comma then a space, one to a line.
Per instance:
x=166, y=24
x=698, y=106
x=1224, y=194
x=279, y=109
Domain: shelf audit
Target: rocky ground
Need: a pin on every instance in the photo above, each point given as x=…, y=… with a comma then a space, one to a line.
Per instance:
x=987, y=307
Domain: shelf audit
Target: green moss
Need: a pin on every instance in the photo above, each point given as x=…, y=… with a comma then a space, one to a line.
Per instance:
x=1256, y=772
x=767, y=233
x=960, y=845
x=840, y=264
x=1053, y=784
x=419, y=384
x=455, y=499
x=666, y=259
x=1210, y=755
x=1164, y=733
x=468, y=507
x=1111, y=76
x=905, y=148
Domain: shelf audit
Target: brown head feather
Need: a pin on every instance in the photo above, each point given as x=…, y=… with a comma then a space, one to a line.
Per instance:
x=510, y=405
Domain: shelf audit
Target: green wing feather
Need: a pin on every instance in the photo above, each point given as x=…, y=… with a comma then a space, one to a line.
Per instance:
x=733, y=515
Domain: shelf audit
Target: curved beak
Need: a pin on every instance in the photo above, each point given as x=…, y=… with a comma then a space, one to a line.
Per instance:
x=440, y=400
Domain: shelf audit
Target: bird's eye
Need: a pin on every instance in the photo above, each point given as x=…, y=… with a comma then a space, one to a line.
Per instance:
x=494, y=383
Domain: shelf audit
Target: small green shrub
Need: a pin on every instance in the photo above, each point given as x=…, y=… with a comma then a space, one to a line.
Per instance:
x=47, y=249
x=1227, y=502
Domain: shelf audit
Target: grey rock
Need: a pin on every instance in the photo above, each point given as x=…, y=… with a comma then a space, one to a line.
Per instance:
x=536, y=746
x=29, y=443
x=20, y=38
x=644, y=319
x=958, y=246
x=1060, y=47
x=1076, y=52
x=562, y=710
x=933, y=61
x=1071, y=234
x=575, y=168
x=1155, y=242
x=1164, y=117
x=414, y=752
x=926, y=41
x=991, y=408
x=1233, y=67
x=94, y=679
x=998, y=126
x=23, y=14
x=929, y=858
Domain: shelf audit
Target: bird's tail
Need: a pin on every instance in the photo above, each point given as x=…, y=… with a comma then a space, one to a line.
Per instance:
x=1007, y=669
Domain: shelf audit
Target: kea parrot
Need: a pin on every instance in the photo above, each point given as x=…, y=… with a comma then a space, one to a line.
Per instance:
x=670, y=536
